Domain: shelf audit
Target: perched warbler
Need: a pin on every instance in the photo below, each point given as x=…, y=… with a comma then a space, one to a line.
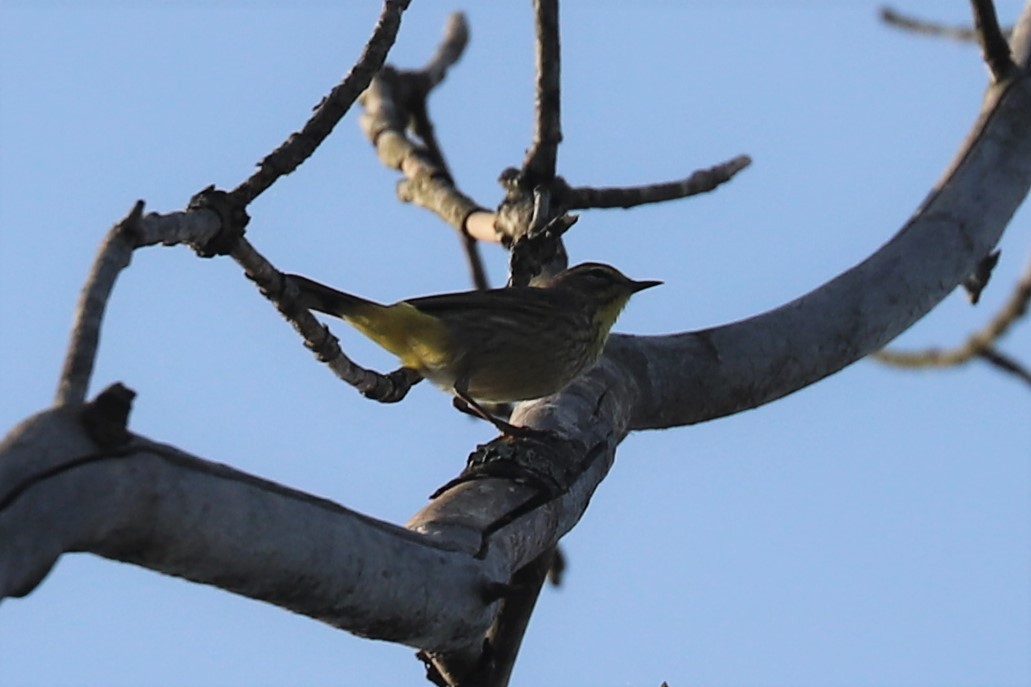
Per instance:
x=498, y=345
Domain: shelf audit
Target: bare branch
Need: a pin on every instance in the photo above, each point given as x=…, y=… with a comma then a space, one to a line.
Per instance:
x=155, y=506
x=978, y=345
x=927, y=28
x=396, y=100
x=1005, y=363
x=477, y=273
x=113, y=256
x=542, y=155
x=494, y=667
x=433, y=585
x=994, y=48
x=385, y=388
x=701, y=181
x=456, y=37
x=696, y=376
x=300, y=145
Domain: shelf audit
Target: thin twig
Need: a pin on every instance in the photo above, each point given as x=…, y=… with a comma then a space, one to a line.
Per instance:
x=1005, y=363
x=450, y=50
x=299, y=146
x=979, y=344
x=456, y=38
x=994, y=48
x=928, y=28
x=702, y=181
x=964, y=34
x=477, y=272
x=542, y=156
x=386, y=388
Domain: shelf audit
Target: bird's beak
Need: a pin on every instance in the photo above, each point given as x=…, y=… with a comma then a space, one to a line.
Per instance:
x=642, y=285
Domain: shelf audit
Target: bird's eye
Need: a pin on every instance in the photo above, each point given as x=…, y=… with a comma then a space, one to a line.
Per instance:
x=600, y=275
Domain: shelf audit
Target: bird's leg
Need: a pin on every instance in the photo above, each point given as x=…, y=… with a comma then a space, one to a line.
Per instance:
x=465, y=403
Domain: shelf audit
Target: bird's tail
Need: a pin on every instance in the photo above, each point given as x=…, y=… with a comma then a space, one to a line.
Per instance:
x=326, y=299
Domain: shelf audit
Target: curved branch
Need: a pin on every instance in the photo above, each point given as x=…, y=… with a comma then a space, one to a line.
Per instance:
x=155, y=506
x=978, y=344
x=696, y=376
x=433, y=585
x=396, y=100
x=114, y=255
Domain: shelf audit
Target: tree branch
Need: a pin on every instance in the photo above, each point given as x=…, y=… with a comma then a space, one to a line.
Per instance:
x=697, y=376
x=928, y=28
x=385, y=388
x=542, y=156
x=301, y=144
x=994, y=48
x=149, y=504
x=1005, y=363
x=114, y=256
x=394, y=100
x=979, y=344
x=701, y=181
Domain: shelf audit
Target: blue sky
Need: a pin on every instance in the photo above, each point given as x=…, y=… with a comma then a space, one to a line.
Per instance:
x=872, y=529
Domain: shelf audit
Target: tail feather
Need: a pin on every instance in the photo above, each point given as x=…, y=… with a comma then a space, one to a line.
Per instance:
x=326, y=299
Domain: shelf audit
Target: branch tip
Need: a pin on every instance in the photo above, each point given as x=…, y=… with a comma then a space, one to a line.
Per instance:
x=994, y=47
x=106, y=417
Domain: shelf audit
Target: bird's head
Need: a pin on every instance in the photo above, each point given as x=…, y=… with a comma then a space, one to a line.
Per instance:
x=603, y=286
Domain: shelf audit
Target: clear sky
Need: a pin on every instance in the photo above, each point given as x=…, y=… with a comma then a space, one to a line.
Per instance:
x=874, y=529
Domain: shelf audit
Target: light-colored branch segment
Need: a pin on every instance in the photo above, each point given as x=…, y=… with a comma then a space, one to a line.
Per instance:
x=979, y=344
x=428, y=586
x=697, y=376
x=152, y=505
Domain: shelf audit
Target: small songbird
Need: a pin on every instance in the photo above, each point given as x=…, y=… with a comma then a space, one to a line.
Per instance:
x=497, y=345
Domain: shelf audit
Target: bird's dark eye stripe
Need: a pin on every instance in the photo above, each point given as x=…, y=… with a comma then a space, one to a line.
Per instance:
x=601, y=274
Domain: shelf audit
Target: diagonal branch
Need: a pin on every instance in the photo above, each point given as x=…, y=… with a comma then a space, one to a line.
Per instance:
x=385, y=388
x=1005, y=363
x=994, y=48
x=894, y=18
x=394, y=101
x=301, y=144
x=701, y=181
x=980, y=344
x=432, y=585
x=696, y=376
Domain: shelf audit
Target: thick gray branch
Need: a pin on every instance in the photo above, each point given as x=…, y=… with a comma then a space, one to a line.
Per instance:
x=428, y=586
x=160, y=508
x=696, y=376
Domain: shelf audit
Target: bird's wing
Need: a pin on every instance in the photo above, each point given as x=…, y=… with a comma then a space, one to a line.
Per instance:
x=530, y=302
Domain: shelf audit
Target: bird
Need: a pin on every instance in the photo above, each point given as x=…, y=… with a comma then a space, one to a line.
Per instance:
x=495, y=345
